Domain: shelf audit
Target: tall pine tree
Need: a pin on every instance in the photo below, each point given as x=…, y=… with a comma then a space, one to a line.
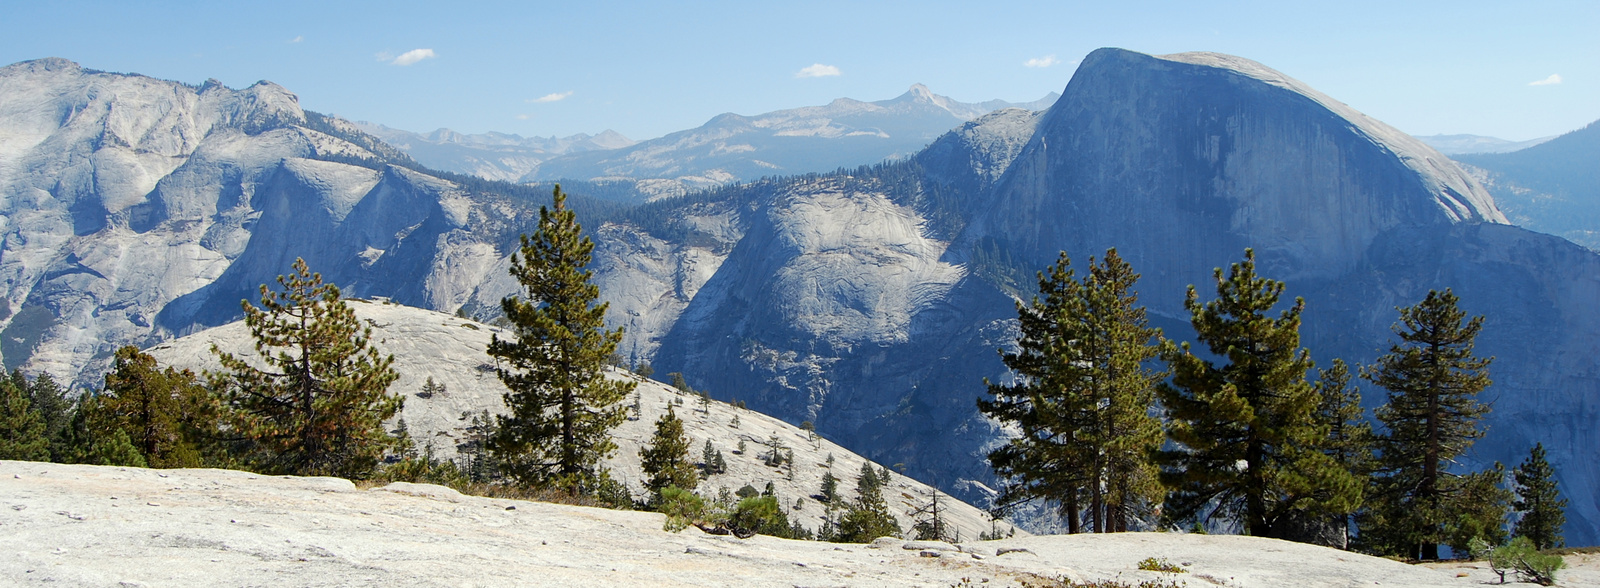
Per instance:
x=1432, y=416
x=1045, y=462
x=315, y=399
x=562, y=407
x=1248, y=441
x=1081, y=398
x=665, y=460
x=1539, y=501
x=1114, y=343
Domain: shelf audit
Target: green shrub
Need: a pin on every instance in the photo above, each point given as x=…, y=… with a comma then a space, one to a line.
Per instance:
x=760, y=514
x=1151, y=564
x=682, y=507
x=422, y=471
x=1521, y=557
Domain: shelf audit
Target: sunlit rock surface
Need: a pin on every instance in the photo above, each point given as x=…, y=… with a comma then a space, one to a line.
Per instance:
x=66, y=525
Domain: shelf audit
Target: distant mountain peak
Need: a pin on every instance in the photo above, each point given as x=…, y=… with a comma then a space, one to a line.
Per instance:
x=43, y=64
x=609, y=139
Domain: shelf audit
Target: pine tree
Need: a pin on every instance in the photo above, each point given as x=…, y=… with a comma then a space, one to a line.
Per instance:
x=1045, y=462
x=475, y=462
x=562, y=407
x=1115, y=343
x=665, y=460
x=166, y=414
x=50, y=402
x=867, y=480
x=429, y=389
x=708, y=459
x=22, y=430
x=868, y=518
x=929, y=520
x=1349, y=440
x=319, y=405
x=1247, y=434
x=1083, y=396
x=1539, y=501
x=1431, y=417
x=714, y=462
x=830, y=489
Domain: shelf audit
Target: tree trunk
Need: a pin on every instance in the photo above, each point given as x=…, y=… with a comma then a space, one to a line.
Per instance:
x=1074, y=526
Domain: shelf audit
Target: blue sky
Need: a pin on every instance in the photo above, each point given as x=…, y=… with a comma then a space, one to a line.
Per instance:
x=645, y=69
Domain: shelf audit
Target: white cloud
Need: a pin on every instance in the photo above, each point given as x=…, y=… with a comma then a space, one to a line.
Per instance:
x=817, y=70
x=522, y=117
x=1550, y=81
x=555, y=97
x=412, y=56
x=1045, y=61
x=297, y=39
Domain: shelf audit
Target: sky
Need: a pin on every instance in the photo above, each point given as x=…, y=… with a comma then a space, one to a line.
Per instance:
x=1514, y=70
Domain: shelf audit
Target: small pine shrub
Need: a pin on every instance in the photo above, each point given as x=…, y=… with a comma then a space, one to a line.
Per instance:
x=1521, y=557
x=682, y=507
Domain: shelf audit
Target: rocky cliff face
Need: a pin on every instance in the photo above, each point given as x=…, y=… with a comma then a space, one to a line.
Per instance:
x=1181, y=162
x=133, y=209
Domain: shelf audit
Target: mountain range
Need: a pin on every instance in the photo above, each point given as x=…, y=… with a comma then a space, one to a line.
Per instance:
x=1464, y=144
x=870, y=301
x=493, y=156
x=729, y=148
x=1553, y=187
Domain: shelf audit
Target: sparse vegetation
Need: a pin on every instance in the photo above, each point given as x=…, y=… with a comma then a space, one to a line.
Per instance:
x=1063, y=582
x=1152, y=564
x=430, y=389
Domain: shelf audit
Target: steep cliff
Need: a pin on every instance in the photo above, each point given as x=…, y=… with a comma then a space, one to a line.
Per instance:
x=133, y=209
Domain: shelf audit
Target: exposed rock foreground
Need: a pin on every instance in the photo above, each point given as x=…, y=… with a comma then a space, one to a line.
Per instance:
x=74, y=525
